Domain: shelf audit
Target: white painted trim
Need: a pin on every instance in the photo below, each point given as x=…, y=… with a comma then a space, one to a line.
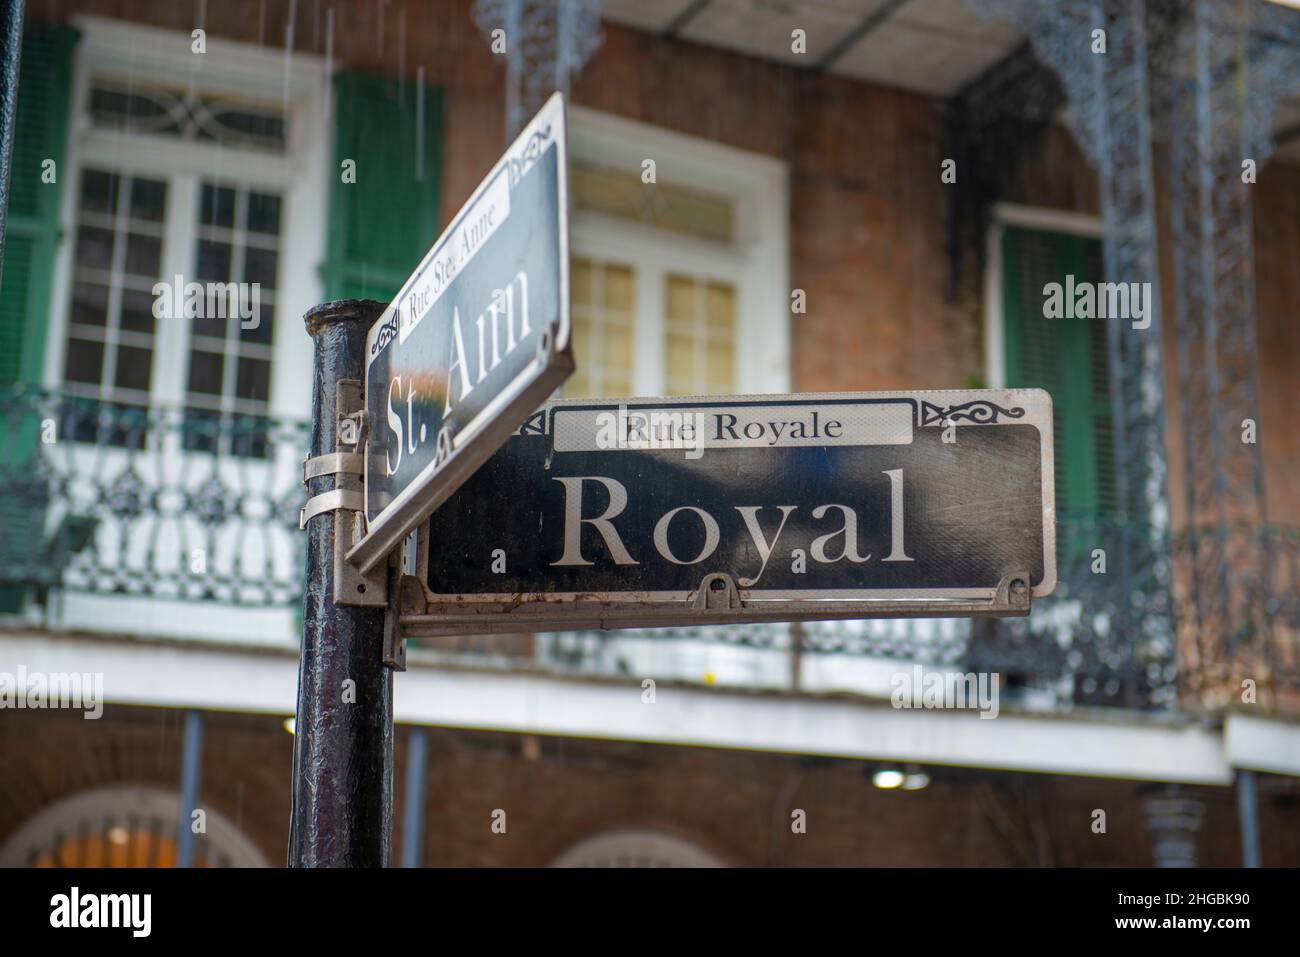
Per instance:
x=1026, y=217
x=228, y=67
x=203, y=675
x=995, y=353
x=1048, y=219
x=1262, y=744
x=299, y=83
x=758, y=261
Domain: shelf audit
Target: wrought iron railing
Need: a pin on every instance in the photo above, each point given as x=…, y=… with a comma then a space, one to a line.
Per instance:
x=160, y=503
x=154, y=502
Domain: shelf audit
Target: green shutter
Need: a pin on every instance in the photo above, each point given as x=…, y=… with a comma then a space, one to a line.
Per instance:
x=381, y=225
x=1067, y=357
x=31, y=240
x=32, y=235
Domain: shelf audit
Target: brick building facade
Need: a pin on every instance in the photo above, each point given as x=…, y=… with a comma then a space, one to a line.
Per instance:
x=895, y=299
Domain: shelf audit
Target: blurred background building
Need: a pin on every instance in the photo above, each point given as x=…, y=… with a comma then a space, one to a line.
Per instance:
x=151, y=467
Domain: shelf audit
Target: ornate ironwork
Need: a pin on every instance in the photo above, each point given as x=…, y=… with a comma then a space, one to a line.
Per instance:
x=545, y=42
x=987, y=125
x=1227, y=65
x=1109, y=111
x=142, y=512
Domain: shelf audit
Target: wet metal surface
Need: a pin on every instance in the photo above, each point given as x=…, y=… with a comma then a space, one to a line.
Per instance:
x=343, y=747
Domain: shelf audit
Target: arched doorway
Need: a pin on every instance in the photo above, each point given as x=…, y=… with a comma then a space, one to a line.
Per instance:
x=636, y=848
x=122, y=826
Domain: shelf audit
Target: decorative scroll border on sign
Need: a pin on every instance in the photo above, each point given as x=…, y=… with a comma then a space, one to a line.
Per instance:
x=530, y=154
x=979, y=412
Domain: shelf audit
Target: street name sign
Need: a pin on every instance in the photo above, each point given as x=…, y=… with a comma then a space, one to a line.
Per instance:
x=643, y=512
x=474, y=341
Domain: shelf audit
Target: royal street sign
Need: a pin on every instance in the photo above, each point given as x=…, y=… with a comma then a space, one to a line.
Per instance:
x=475, y=340
x=748, y=508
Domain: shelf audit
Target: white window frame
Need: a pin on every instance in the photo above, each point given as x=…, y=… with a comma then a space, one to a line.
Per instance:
x=300, y=175
x=149, y=54
x=757, y=262
x=1042, y=218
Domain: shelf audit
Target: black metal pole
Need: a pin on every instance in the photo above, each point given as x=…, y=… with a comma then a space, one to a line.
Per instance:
x=343, y=744
x=11, y=47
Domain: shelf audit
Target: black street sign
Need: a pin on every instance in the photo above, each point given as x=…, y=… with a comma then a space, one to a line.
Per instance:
x=774, y=508
x=474, y=341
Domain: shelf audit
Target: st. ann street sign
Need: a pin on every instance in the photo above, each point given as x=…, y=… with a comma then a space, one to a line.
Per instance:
x=762, y=508
x=473, y=342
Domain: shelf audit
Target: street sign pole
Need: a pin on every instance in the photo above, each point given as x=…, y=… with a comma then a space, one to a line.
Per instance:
x=343, y=744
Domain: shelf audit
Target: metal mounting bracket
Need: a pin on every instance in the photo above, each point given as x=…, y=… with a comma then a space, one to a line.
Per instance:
x=394, y=651
x=717, y=592
x=1014, y=593
x=716, y=602
x=346, y=501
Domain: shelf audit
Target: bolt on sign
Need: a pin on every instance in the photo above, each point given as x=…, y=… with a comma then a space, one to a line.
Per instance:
x=474, y=341
x=749, y=508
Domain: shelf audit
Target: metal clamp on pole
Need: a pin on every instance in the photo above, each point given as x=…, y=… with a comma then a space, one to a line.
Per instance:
x=332, y=501
x=346, y=501
x=334, y=463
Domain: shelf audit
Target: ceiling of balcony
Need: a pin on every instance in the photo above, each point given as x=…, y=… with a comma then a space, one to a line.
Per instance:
x=928, y=46
x=934, y=47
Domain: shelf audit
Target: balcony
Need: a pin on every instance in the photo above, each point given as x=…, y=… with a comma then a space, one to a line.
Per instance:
x=113, y=513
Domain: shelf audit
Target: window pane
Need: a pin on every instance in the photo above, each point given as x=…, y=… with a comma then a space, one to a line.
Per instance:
x=137, y=311
x=217, y=206
x=580, y=282
x=95, y=247
x=260, y=333
x=85, y=362
x=89, y=304
x=260, y=266
x=604, y=299
x=214, y=261
x=721, y=368
x=618, y=289
x=143, y=255
x=148, y=200
x=205, y=373
x=125, y=243
x=721, y=310
x=254, y=380
x=133, y=365
x=99, y=191
x=681, y=364
x=617, y=356
x=664, y=205
x=681, y=299
x=264, y=214
x=242, y=254
x=700, y=336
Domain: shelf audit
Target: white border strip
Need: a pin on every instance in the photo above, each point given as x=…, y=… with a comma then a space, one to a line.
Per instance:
x=1121, y=746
